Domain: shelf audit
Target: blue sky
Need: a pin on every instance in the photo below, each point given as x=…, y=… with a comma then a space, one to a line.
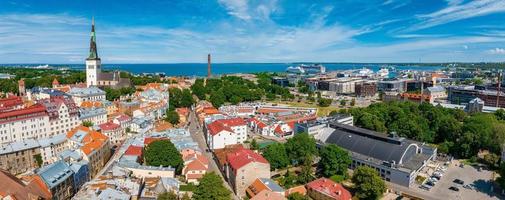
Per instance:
x=179, y=31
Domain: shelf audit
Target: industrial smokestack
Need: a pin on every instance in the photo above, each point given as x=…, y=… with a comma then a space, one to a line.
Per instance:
x=208, y=66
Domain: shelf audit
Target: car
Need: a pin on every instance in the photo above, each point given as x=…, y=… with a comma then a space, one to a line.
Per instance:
x=435, y=178
x=468, y=187
x=426, y=187
x=458, y=181
x=430, y=183
x=453, y=188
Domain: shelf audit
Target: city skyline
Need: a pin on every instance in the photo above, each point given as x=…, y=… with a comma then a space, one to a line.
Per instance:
x=254, y=31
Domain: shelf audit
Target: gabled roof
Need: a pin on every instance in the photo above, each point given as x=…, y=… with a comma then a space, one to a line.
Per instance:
x=134, y=150
x=35, y=109
x=109, y=126
x=224, y=124
x=330, y=188
x=242, y=157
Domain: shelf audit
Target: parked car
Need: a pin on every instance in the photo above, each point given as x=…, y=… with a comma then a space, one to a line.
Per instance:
x=454, y=188
x=430, y=183
x=468, y=187
x=426, y=187
x=458, y=181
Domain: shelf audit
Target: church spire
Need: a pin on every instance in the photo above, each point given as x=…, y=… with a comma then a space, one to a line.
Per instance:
x=93, y=54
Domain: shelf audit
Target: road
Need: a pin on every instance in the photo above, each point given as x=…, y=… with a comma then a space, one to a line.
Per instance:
x=197, y=134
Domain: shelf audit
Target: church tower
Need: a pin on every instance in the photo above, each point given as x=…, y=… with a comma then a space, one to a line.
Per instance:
x=93, y=61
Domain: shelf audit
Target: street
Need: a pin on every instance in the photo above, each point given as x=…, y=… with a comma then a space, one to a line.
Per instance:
x=197, y=135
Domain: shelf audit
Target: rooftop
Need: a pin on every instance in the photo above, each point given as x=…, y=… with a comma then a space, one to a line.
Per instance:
x=55, y=173
x=89, y=91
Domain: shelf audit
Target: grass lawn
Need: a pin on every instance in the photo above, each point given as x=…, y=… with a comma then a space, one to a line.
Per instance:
x=321, y=111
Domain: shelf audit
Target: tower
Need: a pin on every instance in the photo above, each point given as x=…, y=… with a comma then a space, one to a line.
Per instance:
x=93, y=61
x=208, y=66
x=21, y=87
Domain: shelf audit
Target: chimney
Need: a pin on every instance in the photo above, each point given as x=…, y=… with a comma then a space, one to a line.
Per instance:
x=338, y=192
x=208, y=66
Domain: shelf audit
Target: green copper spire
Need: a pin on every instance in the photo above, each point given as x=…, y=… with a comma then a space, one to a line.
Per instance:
x=93, y=54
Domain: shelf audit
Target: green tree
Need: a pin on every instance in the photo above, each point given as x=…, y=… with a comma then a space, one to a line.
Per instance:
x=217, y=98
x=211, y=187
x=334, y=160
x=368, y=183
x=288, y=180
x=254, y=144
x=163, y=153
x=185, y=197
x=501, y=172
x=38, y=159
x=500, y=114
x=300, y=146
x=276, y=156
x=297, y=196
x=87, y=123
x=353, y=102
x=172, y=117
x=198, y=89
x=323, y=102
x=343, y=102
x=187, y=98
x=307, y=174
x=167, y=196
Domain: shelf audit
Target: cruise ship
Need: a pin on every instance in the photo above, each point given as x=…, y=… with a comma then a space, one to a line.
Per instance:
x=307, y=69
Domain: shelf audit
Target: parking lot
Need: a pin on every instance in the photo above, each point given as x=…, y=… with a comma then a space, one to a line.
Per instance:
x=477, y=184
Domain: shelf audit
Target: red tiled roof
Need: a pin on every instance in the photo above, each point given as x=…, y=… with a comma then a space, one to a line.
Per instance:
x=242, y=157
x=37, y=108
x=258, y=123
x=195, y=165
x=225, y=124
x=194, y=176
x=10, y=102
x=134, y=151
x=278, y=129
x=329, y=188
x=108, y=126
x=123, y=118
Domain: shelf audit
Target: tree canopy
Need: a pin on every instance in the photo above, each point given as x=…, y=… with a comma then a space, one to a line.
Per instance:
x=167, y=196
x=454, y=131
x=300, y=146
x=334, y=160
x=368, y=184
x=172, y=117
x=211, y=187
x=276, y=155
x=163, y=153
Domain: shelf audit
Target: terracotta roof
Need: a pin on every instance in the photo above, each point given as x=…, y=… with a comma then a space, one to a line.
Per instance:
x=91, y=104
x=258, y=123
x=210, y=111
x=109, y=126
x=55, y=82
x=134, y=150
x=224, y=124
x=91, y=141
x=297, y=189
x=329, y=188
x=221, y=153
x=268, y=195
x=195, y=176
x=242, y=157
x=13, y=186
x=196, y=164
x=182, y=111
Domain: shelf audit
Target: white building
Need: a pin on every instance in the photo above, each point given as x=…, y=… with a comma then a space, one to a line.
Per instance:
x=224, y=132
x=63, y=115
x=94, y=115
x=86, y=94
x=114, y=131
x=18, y=125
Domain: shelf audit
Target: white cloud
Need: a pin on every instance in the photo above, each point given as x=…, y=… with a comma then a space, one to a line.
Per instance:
x=247, y=10
x=237, y=8
x=456, y=12
x=497, y=51
x=465, y=47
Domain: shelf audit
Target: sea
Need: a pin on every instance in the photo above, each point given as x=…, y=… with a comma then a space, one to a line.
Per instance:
x=200, y=69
